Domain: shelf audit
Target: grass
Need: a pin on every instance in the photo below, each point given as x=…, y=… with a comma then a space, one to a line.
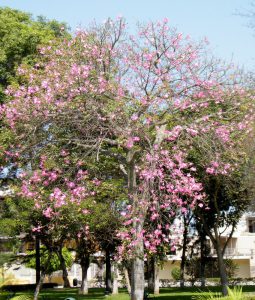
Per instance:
x=188, y=293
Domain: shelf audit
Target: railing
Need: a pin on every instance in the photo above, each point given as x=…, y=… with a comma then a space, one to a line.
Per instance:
x=230, y=252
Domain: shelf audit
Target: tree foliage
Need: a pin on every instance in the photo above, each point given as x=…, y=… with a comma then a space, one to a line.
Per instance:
x=20, y=37
x=51, y=265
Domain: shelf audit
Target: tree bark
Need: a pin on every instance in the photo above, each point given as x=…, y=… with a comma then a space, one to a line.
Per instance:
x=222, y=269
x=42, y=276
x=137, y=271
x=202, y=259
x=37, y=259
x=150, y=263
x=137, y=281
x=115, y=288
x=108, y=272
x=64, y=269
x=84, y=289
x=153, y=276
x=126, y=275
x=39, y=285
x=156, y=278
x=184, y=249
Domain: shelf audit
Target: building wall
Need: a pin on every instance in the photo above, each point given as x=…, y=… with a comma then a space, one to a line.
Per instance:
x=243, y=270
x=166, y=269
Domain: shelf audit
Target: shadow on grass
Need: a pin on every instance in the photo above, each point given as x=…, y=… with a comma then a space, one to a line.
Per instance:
x=187, y=293
x=60, y=294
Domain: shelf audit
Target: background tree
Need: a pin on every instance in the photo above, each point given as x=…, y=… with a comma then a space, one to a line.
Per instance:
x=20, y=37
x=228, y=195
x=52, y=265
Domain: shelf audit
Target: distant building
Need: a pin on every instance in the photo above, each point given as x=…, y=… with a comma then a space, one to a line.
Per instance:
x=241, y=249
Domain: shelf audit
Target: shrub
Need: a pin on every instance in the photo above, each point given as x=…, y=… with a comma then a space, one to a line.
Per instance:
x=176, y=273
x=233, y=294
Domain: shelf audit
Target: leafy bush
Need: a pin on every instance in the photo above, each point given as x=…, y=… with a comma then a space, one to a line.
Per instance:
x=176, y=273
x=231, y=267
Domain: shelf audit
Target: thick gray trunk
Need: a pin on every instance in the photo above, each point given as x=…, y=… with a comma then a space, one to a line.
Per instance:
x=137, y=280
x=115, y=288
x=137, y=270
x=125, y=270
x=84, y=289
x=222, y=269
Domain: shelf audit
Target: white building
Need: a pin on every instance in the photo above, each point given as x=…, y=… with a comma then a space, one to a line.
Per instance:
x=241, y=249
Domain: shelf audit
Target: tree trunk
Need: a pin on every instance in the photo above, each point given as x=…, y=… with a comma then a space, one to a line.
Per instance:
x=153, y=276
x=115, y=288
x=84, y=281
x=42, y=276
x=222, y=269
x=64, y=269
x=126, y=275
x=156, y=278
x=137, y=271
x=202, y=259
x=108, y=272
x=150, y=263
x=39, y=285
x=37, y=259
x=184, y=249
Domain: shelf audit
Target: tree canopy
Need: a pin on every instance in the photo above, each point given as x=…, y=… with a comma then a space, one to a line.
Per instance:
x=143, y=102
x=20, y=37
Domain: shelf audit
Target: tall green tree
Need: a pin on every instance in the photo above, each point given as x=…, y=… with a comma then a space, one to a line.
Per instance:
x=228, y=195
x=20, y=37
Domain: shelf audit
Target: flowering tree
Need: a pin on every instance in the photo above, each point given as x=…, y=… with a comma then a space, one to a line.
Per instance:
x=140, y=100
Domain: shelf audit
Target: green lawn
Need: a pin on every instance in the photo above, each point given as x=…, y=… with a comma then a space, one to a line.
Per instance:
x=97, y=294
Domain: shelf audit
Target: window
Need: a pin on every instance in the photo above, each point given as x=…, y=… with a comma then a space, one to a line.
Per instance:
x=251, y=225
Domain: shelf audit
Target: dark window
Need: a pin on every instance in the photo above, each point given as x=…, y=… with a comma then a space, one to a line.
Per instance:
x=251, y=225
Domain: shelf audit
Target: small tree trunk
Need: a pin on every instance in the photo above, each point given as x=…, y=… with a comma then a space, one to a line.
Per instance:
x=156, y=279
x=150, y=263
x=115, y=288
x=42, y=276
x=108, y=272
x=126, y=275
x=222, y=269
x=64, y=269
x=184, y=249
x=39, y=285
x=37, y=259
x=84, y=289
x=202, y=260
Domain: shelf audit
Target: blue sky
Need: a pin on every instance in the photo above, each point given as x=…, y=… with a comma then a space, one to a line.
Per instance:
x=217, y=20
